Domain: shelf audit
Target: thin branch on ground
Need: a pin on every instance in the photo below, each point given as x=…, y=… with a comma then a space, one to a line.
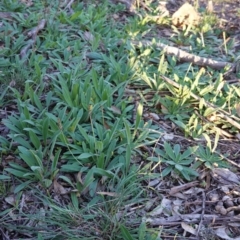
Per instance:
x=185, y=56
x=203, y=211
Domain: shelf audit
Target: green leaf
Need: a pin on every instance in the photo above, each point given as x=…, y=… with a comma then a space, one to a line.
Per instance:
x=27, y=156
x=74, y=199
x=166, y=171
x=45, y=130
x=34, y=139
x=15, y=172
x=169, y=150
x=66, y=179
x=179, y=167
x=191, y=171
x=142, y=231
x=85, y=155
x=125, y=233
x=128, y=157
x=38, y=102
x=47, y=182
x=185, y=175
x=102, y=172
x=84, y=133
x=4, y=177
x=55, y=160
x=154, y=159
x=21, y=186
x=176, y=150
x=128, y=132
x=100, y=160
x=186, y=154
x=75, y=167
x=186, y=161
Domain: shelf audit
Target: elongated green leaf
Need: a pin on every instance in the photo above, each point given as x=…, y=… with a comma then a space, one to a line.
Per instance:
x=21, y=186
x=27, y=156
x=38, y=102
x=45, y=130
x=4, y=177
x=169, y=150
x=128, y=132
x=166, y=171
x=128, y=157
x=55, y=160
x=102, y=172
x=75, y=201
x=85, y=155
x=176, y=150
x=186, y=154
x=34, y=139
x=66, y=179
x=142, y=231
x=15, y=172
x=125, y=233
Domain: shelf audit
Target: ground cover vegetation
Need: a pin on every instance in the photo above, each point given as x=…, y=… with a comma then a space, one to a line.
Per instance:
x=105, y=134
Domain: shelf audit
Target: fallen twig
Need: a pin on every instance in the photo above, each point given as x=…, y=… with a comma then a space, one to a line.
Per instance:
x=33, y=34
x=185, y=56
x=177, y=189
x=202, y=214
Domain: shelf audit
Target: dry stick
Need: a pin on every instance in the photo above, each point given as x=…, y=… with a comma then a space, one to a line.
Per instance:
x=222, y=113
x=203, y=211
x=33, y=34
x=184, y=56
x=177, y=189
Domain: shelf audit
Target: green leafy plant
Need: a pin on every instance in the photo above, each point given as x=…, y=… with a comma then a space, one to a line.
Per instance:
x=175, y=160
x=208, y=155
x=209, y=158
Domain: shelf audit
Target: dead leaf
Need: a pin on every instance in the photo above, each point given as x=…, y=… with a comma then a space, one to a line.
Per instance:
x=177, y=204
x=154, y=116
x=188, y=228
x=165, y=207
x=168, y=137
x=154, y=182
x=10, y=200
x=150, y=203
x=225, y=175
x=221, y=232
x=58, y=188
x=115, y=110
x=88, y=36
